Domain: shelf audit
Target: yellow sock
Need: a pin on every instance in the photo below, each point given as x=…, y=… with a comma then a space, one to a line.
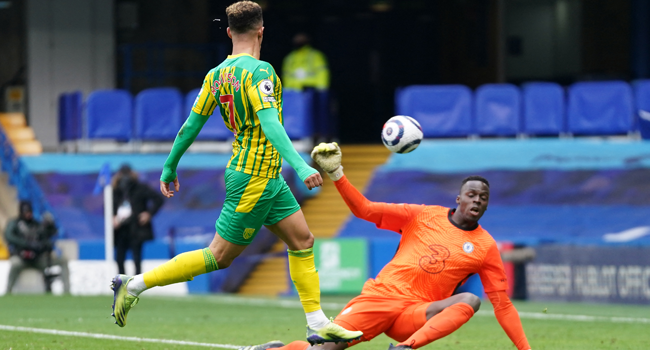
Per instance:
x=305, y=277
x=181, y=268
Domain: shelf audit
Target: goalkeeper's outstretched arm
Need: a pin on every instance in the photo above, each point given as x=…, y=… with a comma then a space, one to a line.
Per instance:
x=509, y=319
x=385, y=215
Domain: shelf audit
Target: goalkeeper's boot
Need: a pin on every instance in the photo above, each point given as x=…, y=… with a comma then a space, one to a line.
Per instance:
x=332, y=333
x=399, y=347
x=270, y=345
x=122, y=300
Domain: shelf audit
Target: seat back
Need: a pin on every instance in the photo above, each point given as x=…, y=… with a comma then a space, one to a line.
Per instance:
x=498, y=110
x=70, y=112
x=600, y=108
x=214, y=129
x=441, y=110
x=109, y=115
x=642, y=106
x=544, y=109
x=297, y=114
x=158, y=114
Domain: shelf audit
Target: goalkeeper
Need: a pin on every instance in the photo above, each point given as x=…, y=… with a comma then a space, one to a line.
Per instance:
x=413, y=298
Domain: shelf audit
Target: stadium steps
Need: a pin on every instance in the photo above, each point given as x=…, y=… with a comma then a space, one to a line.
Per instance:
x=22, y=137
x=325, y=214
x=8, y=210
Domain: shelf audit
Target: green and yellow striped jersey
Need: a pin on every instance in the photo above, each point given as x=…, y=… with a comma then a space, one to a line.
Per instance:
x=241, y=86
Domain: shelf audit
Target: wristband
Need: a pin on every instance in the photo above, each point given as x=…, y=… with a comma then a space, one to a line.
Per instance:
x=337, y=174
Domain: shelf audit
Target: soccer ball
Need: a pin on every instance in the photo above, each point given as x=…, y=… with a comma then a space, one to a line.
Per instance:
x=401, y=134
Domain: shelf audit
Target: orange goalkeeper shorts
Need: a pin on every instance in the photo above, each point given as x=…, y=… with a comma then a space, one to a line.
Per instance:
x=373, y=315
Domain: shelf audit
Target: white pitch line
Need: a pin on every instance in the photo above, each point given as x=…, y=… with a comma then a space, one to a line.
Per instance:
x=114, y=337
x=294, y=304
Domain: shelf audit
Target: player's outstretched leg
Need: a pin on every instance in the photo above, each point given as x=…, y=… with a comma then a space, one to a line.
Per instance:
x=181, y=268
x=399, y=347
x=122, y=300
x=294, y=232
x=273, y=344
x=331, y=333
x=441, y=325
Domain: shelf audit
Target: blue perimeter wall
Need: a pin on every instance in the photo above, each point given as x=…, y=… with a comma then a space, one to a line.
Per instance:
x=567, y=191
x=69, y=180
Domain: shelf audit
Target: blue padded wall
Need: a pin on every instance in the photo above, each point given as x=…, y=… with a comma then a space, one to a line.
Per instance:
x=642, y=100
x=297, y=113
x=441, y=110
x=544, y=109
x=158, y=114
x=600, y=108
x=214, y=129
x=109, y=115
x=498, y=110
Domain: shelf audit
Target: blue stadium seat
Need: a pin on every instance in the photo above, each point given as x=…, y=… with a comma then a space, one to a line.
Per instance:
x=600, y=108
x=214, y=129
x=158, y=114
x=296, y=113
x=498, y=110
x=544, y=109
x=441, y=110
x=642, y=104
x=70, y=111
x=109, y=115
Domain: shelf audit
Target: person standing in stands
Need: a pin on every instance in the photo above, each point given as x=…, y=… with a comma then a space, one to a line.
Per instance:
x=134, y=204
x=305, y=69
x=31, y=245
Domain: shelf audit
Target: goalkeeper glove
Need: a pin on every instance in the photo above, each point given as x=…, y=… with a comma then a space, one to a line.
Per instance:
x=328, y=156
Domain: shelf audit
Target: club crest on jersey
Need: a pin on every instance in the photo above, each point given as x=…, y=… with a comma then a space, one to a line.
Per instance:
x=468, y=247
x=266, y=86
x=248, y=233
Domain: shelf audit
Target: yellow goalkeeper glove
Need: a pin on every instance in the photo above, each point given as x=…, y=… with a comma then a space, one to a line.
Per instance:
x=328, y=156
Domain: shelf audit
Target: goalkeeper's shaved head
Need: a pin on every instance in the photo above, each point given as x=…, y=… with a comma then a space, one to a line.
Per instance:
x=244, y=17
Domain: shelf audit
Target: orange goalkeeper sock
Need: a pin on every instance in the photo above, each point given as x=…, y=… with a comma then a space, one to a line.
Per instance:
x=296, y=345
x=440, y=325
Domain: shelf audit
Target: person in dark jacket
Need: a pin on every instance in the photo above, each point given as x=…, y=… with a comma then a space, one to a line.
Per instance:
x=31, y=245
x=134, y=204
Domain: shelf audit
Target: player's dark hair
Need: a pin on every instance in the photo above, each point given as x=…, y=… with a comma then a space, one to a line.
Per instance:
x=244, y=16
x=475, y=178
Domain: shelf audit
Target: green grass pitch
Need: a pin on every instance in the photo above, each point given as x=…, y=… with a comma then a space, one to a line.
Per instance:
x=233, y=320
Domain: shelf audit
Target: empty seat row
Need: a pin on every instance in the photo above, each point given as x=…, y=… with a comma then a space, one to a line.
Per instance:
x=157, y=114
x=538, y=108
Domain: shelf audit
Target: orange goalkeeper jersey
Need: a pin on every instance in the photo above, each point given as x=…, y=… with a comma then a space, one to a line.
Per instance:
x=434, y=256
